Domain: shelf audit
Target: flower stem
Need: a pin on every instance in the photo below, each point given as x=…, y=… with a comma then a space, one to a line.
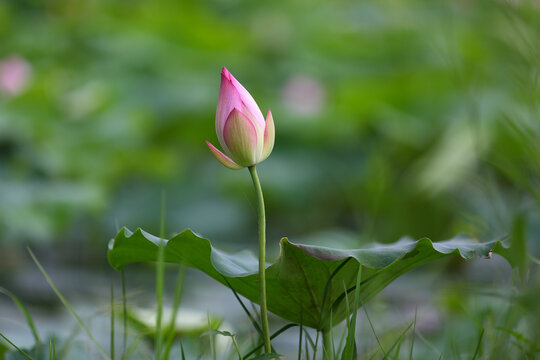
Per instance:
x=262, y=257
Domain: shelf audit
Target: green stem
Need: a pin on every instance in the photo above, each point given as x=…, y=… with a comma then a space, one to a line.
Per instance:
x=262, y=257
x=237, y=348
x=176, y=304
x=124, y=312
x=160, y=275
x=327, y=344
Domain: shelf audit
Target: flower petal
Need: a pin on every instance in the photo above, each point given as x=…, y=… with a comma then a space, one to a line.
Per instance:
x=247, y=99
x=240, y=137
x=232, y=95
x=222, y=158
x=269, y=135
x=228, y=100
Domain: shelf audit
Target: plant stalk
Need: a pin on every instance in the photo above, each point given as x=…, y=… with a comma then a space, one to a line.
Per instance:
x=327, y=344
x=262, y=257
x=160, y=275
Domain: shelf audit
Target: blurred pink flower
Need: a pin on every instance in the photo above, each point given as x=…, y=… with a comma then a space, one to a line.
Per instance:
x=304, y=95
x=246, y=138
x=14, y=75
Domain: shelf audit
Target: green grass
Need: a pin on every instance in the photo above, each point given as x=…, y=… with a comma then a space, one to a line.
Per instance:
x=349, y=352
x=176, y=305
x=66, y=304
x=25, y=311
x=23, y=353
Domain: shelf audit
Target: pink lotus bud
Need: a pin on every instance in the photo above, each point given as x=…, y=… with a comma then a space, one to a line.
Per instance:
x=14, y=75
x=244, y=135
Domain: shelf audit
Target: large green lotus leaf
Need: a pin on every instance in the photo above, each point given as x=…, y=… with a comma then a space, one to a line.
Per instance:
x=305, y=281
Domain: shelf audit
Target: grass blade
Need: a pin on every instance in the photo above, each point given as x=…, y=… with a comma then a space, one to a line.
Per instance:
x=159, y=303
x=413, y=334
x=182, y=351
x=124, y=312
x=333, y=347
x=306, y=345
x=373, y=330
x=69, y=307
x=212, y=337
x=375, y=354
x=327, y=285
x=272, y=337
x=350, y=345
x=478, y=345
x=25, y=311
x=251, y=317
x=138, y=338
x=16, y=347
x=68, y=341
x=327, y=352
x=310, y=340
x=316, y=345
x=398, y=342
x=112, y=322
x=176, y=305
x=429, y=344
x=160, y=275
x=340, y=345
x=325, y=294
x=52, y=350
x=347, y=305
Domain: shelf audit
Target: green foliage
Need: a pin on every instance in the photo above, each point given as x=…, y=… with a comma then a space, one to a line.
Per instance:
x=419, y=118
x=426, y=107
x=296, y=281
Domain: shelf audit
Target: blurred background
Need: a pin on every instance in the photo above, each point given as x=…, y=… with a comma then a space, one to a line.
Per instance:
x=392, y=119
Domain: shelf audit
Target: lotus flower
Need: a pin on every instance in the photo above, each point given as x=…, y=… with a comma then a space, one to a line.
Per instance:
x=246, y=138
x=14, y=75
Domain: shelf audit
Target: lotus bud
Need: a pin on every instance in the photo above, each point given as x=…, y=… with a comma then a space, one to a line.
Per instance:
x=245, y=136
